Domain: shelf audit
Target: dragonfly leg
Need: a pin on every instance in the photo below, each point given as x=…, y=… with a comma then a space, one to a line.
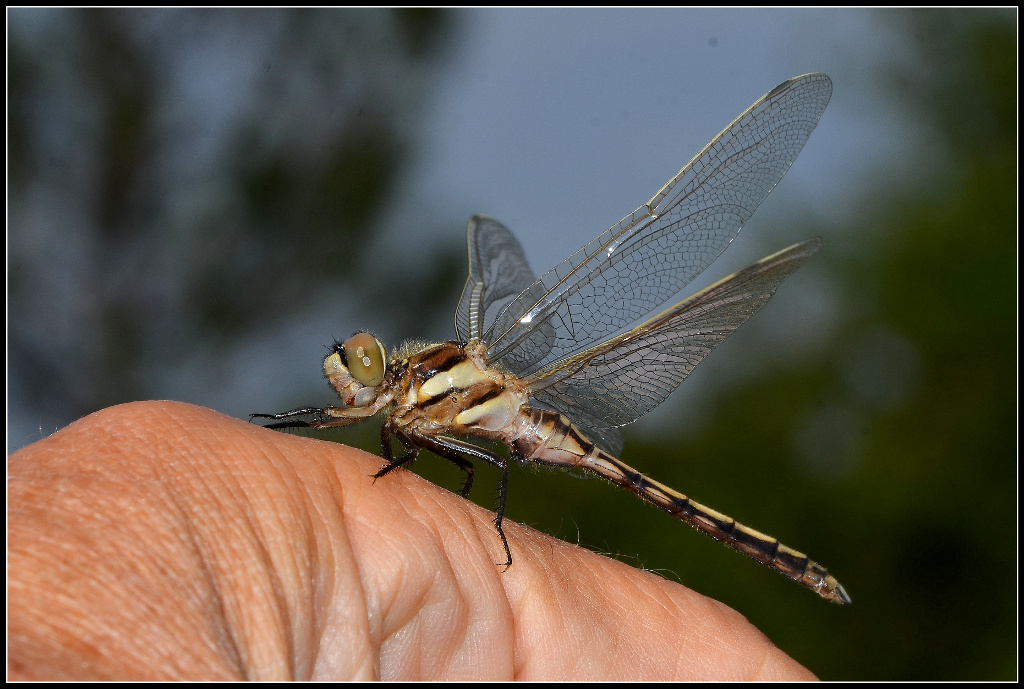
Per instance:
x=448, y=448
x=327, y=417
x=290, y=422
x=456, y=451
x=501, y=510
x=385, y=448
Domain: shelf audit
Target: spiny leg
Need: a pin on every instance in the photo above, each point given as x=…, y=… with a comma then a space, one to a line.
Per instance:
x=411, y=451
x=503, y=494
x=290, y=423
x=326, y=417
x=453, y=450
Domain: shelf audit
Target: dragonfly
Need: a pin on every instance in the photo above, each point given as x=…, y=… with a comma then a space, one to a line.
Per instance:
x=552, y=367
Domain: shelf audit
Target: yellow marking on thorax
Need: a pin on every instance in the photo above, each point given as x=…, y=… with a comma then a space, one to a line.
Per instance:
x=458, y=377
x=493, y=415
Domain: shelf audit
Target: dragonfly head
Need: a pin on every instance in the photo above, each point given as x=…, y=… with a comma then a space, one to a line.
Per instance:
x=355, y=369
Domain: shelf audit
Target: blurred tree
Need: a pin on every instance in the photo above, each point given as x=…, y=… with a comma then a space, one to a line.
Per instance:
x=179, y=179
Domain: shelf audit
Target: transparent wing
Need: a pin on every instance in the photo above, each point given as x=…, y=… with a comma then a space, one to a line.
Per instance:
x=622, y=379
x=646, y=259
x=498, y=272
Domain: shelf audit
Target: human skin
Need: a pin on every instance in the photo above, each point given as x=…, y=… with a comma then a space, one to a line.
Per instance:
x=164, y=541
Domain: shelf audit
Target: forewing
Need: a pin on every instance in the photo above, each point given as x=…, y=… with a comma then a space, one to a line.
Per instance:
x=647, y=258
x=622, y=379
x=498, y=272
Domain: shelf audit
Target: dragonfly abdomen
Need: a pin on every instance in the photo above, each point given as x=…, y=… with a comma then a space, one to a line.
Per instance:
x=555, y=440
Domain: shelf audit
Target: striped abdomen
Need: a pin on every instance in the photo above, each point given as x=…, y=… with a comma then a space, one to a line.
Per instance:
x=552, y=439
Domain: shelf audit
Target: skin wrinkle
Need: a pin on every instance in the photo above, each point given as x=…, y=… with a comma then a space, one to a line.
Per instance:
x=538, y=562
x=518, y=605
x=451, y=609
x=297, y=499
x=446, y=588
x=759, y=671
x=617, y=636
x=670, y=611
x=242, y=615
x=545, y=604
x=274, y=589
x=271, y=596
x=323, y=573
x=313, y=565
x=247, y=504
x=440, y=589
x=300, y=513
x=392, y=599
x=226, y=636
x=454, y=611
x=166, y=489
x=485, y=620
x=220, y=475
x=290, y=556
x=311, y=574
x=374, y=612
x=338, y=599
x=765, y=647
x=321, y=580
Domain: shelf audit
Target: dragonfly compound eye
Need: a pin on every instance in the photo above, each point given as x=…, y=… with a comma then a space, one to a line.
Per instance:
x=366, y=359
